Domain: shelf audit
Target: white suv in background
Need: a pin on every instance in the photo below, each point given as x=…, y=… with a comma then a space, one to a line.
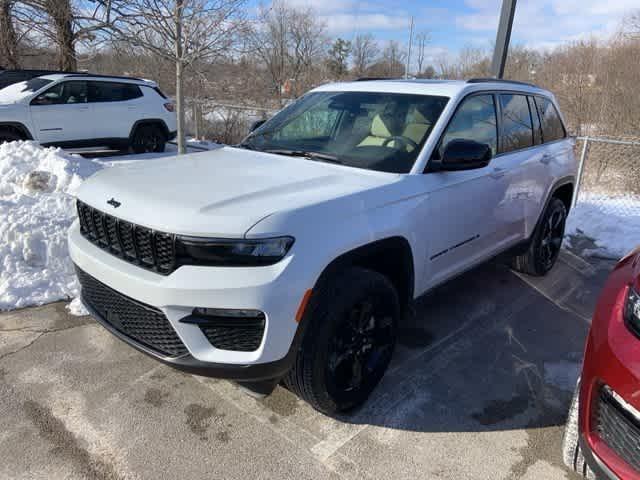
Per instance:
x=293, y=255
x=83, y=110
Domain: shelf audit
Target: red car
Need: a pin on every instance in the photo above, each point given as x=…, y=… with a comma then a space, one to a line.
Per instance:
x=602, y=438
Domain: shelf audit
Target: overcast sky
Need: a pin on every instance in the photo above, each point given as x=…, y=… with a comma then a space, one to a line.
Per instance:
x=456, y=23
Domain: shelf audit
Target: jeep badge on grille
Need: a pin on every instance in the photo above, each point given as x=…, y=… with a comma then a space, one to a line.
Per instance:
x=114, y=203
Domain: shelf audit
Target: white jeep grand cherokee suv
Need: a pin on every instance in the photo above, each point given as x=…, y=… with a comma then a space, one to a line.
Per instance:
x=82, y=110
x=293, y=255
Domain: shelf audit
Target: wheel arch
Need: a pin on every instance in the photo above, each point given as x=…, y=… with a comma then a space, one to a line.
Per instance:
x=158, y=122
x=391, y=256
x=19, y=128
x=564, y=192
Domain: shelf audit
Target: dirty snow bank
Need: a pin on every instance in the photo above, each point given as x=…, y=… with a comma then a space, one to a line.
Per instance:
x=36, y=209
x=613, y=223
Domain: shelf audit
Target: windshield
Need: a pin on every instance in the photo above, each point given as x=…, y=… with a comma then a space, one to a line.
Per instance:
x=20, y=90
x=376, y=131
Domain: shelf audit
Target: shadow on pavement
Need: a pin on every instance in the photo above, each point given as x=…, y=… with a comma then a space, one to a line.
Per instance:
x=490, y=350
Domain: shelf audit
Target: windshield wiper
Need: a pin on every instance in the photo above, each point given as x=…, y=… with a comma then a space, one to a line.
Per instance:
x=323, y=157
x=248, y=146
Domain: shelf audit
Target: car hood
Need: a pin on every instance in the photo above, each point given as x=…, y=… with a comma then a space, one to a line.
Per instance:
x=223, y=192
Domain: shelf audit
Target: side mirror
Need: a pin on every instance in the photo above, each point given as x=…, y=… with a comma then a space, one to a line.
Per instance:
x=256, y=125
x=465, y=155
x=45, y=99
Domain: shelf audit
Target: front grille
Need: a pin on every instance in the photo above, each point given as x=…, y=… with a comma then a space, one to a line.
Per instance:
x=142, y=323
x=618, y=428
x=240, y=335
x=135, y=244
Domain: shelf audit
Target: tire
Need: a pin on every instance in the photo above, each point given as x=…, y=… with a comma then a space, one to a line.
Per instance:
x=148, y=139
x=546, y=241
x=7, y=135
x=349, y=341
x=571, y=452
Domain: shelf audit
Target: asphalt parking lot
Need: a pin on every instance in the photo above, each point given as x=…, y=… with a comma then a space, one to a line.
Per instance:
x=478, y=389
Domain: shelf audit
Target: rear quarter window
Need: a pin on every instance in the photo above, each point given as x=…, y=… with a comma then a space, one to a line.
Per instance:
x=552, y=127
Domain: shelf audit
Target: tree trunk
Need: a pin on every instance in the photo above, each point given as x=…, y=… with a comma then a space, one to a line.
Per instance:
x=62, y=18
x=8, y=42
x=179, y=80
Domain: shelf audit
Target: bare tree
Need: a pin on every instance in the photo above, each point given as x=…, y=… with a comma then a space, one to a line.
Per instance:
x=182, y=31
x=422, y=40
x=364, y=53
x=65, y=23
x=8, y=38
x=391, y=63
x=633, y=22
x=288, y=42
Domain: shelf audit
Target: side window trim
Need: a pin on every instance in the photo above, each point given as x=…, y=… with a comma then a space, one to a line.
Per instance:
x=533, y=109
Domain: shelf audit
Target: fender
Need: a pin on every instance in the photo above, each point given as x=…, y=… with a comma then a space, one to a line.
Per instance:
x=398, y=268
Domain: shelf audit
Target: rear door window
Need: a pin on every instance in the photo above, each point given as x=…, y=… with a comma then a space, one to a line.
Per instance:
x=113, y=92
x=552, y=128
x=517, y=129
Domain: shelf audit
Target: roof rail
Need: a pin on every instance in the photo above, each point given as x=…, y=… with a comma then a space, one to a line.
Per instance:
x=499, y=80
x=367, y=79
x=117, y=77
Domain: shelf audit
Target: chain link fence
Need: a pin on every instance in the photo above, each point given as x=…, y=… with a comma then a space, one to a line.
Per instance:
x=605, y=220
x=223, y=122
x=609, y=174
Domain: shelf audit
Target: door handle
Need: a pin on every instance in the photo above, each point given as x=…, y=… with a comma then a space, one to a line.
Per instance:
x=546, y=158
x=83, y=108
x=498, y=172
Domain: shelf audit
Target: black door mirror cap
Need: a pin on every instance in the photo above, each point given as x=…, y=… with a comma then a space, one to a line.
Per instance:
x=255, y=125
x=464, y=155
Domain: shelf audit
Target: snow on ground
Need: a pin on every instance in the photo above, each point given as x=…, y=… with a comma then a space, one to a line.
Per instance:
x=36, y=209
x=613, y=223
x=37, y=206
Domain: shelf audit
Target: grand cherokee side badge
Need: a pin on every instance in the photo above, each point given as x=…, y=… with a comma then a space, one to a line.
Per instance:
x=114, y=203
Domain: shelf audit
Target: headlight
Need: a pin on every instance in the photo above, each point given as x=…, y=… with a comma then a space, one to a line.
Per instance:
x=632, y=310
x=231, y=253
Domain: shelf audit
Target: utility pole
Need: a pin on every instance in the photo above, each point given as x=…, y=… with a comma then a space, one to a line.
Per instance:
x=503, y=38
x=406, y=69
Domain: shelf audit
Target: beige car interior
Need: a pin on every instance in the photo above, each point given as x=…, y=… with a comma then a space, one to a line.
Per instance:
x=415, y=130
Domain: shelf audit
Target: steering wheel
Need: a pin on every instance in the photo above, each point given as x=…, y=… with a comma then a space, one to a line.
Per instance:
x=405, y=142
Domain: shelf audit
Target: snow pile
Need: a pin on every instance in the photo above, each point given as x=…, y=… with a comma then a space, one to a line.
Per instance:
x=36, y=209
x=613, y=223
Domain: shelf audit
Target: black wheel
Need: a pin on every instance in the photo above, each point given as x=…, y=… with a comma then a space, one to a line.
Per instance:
x=148, y=139
x=546, y=242
x=9, y=136
x=349, y=341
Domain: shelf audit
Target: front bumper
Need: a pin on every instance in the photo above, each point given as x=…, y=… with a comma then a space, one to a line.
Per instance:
x=600, y=469
x=187, y=363
x=275, y=290
x=611, y=362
